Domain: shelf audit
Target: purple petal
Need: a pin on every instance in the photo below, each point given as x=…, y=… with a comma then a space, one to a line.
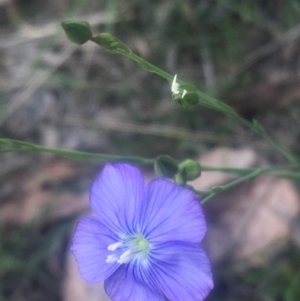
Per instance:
x=181, y=271
x=171, y=212
x=124, y=285
x=116, y=196
x=89, y=247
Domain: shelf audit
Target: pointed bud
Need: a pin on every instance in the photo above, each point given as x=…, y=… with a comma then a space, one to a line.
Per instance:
x=78, y=32
x=190, y=169
x=165, y=166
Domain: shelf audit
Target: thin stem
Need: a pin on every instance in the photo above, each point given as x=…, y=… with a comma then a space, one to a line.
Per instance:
x=206, y=100
x=219, y=189
x=276, y=171
x=273, y=171
x=25, y=146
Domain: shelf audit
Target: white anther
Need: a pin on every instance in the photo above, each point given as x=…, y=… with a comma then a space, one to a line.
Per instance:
x=175, y=85
x=111, y=258
x=114, y=246
x=184, y=93
x=125, y=257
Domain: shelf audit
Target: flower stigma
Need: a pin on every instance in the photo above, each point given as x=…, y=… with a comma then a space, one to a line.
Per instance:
x=125, y=257
x=111, y=258
x=114, y=246
x=136, y=246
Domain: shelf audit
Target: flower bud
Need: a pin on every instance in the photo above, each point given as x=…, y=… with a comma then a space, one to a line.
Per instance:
x=190, y=169
x=165, y=166
x=189, y=100
x=186, y=96
x=79, y=32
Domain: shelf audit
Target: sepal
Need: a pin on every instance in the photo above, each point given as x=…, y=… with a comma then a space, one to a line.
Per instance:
x=165, y=166
x=110, y=42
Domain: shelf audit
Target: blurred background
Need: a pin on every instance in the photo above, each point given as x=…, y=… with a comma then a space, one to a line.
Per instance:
x=57, y=94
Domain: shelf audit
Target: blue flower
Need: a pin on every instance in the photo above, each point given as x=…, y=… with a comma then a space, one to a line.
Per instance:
x=143, y=241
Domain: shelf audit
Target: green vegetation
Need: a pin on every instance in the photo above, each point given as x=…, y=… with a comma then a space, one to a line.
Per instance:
x=105, y=107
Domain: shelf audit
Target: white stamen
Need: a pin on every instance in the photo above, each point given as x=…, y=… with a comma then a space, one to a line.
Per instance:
x=111, y=258
x=114, y=246
x=175, y=85
x=184, y=93
x=125, y=257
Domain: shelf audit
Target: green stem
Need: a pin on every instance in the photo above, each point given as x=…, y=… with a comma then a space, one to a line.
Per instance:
x=272, y=171
x=204, y=99
x=25, y=146
x=215, y=191
x=277, y=171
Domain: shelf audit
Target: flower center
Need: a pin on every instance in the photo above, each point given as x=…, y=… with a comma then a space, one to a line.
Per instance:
x=143, y=244
x=133, y=247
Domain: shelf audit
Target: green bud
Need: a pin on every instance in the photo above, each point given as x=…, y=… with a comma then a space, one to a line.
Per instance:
x=190, y=169
x=78, y=32
x=188, y=98
x=110, y=42
x=165, y=166
x=188, y=101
